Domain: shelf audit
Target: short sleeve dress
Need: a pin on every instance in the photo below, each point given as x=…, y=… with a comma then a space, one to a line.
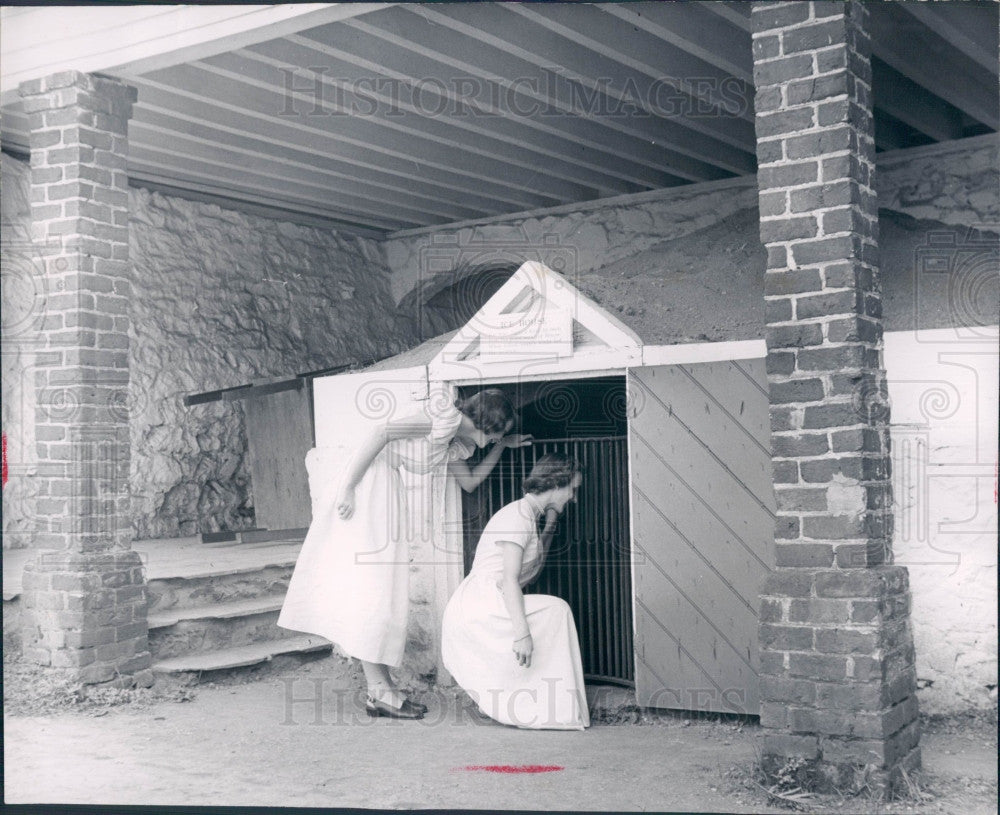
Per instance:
x=351, y=579
x=478, y=634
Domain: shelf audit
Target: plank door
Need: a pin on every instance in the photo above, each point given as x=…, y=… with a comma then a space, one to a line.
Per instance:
x=702, y=531
x=279, y=434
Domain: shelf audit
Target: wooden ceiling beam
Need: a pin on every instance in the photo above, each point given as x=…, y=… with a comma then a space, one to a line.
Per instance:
x=195, y=190
x=425, y=99
x=736, y=12
x=913, y=105
x=709, y=140
x=203, y=176
x=224, y=172
x=405, y=127
x=692, y=28
x=128, y=41
x=268, y=100
x=233, y=119
x=616, y=148
x=970, y=27
x=641, y=52
x=919, y=54
x=370, y=182
x=347, y=192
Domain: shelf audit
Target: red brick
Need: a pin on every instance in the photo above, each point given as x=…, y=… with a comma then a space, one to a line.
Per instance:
x=787, y=583
x=816, y=555
x=797, y=390
x=786, y=121
x=786, y=527
x=846, y=641
x=786, y=637
x=794, y=282
x=836, y=358
x=797, y=445
x=801, y=499
x=794, y=336
x=811, y=37
x=765, y=17
x=818, y=666
x=789, y=175
x=782, y=363
x=819, y=611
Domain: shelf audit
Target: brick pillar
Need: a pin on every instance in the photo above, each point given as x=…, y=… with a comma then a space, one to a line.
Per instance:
x=84, y=596
x=837, y=664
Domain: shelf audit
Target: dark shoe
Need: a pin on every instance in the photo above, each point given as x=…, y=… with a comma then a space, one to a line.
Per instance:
x=407, y=710
x=418, y=706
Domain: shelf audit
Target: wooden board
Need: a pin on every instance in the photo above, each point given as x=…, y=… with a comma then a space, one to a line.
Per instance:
x=279, y=434
x=702, y=531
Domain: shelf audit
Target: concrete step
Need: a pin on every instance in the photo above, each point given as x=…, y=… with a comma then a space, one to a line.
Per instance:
x=231, y=584
x=240, y=657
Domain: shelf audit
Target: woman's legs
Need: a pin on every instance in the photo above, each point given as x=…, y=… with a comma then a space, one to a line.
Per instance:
x=380, y=684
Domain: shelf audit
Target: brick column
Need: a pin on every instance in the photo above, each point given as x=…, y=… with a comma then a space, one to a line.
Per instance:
x=84, y=596
x=837, y=671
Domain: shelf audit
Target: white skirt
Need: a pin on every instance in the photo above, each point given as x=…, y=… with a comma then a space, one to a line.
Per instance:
x=476, y=647
x=351, y=579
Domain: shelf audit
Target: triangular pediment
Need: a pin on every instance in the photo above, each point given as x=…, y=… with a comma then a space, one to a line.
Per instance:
x=537, y=316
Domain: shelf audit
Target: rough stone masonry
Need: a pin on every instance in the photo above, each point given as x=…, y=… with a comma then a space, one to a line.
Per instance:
x=837, y=663
x=85, y=601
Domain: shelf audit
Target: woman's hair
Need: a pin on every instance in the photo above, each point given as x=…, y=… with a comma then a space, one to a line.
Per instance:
x=550, y=472
x=490, y=410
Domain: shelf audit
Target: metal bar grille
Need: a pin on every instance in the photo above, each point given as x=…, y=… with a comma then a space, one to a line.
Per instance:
x=588, y=563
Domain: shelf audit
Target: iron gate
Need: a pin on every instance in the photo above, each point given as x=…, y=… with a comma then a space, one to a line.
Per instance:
x=588, y=564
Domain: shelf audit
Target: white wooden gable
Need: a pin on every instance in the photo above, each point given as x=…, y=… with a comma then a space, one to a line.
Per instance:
x=538, y=324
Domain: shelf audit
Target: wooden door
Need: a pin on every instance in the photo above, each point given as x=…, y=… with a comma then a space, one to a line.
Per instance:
x=279, y=434
x=702, y=531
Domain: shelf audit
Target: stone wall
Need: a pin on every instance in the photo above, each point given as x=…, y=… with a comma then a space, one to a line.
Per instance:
x=954, y=183
x=219, y=299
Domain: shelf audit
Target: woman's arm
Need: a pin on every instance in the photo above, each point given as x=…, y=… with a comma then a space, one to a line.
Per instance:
x=469, y=478
x=513, y=599
x=410, y=427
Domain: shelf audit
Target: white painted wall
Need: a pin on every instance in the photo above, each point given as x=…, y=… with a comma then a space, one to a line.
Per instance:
x=943, y=385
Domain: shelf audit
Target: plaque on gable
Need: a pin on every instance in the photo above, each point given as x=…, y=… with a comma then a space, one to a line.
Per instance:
x=542, y=331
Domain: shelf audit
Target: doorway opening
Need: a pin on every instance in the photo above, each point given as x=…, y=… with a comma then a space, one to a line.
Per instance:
x=589, y=561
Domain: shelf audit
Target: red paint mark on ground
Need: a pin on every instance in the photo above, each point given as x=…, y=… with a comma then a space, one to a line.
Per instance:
x=4, y=475
x=510, y=768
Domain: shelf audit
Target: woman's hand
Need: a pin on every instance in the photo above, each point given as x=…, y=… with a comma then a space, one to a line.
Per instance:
x=516, y=440
x=523, y=649
x=345, y=503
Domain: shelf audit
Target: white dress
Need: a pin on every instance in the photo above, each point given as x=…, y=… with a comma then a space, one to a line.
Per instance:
x=351, y=579
x=478, y=636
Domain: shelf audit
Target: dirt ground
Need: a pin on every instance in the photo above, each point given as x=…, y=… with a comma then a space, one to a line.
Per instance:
x=296, y=735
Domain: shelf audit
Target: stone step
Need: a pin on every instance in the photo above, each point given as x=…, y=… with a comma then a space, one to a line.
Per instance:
x=235, y=583
x=240, y=657
x=216, y=611
x=212, y=627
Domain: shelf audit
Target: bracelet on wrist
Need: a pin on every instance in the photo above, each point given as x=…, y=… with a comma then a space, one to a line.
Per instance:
x=524, y=637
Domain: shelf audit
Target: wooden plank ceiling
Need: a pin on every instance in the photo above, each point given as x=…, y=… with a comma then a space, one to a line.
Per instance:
x=414, y=115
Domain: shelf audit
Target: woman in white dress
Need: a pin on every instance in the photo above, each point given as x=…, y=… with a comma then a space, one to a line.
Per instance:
x=517, y=655
x=351, y=579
